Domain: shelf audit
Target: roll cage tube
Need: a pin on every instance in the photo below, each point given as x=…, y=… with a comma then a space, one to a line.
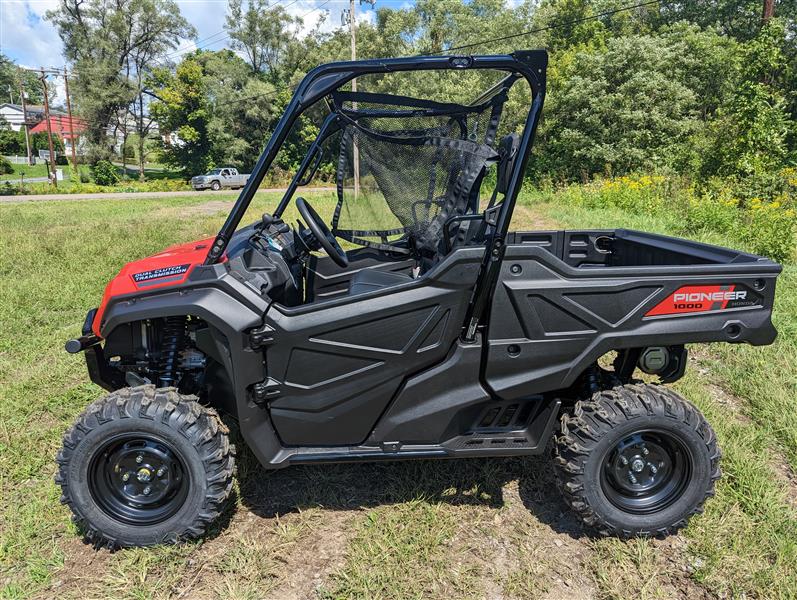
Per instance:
x=324, y=79
x=328, y=128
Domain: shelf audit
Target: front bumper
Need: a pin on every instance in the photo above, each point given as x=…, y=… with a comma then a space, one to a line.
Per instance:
x=200, y=185
x=99, y=371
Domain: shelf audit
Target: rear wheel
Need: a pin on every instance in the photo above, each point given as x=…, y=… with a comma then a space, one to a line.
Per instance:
x=636, y=460
x=144, y=466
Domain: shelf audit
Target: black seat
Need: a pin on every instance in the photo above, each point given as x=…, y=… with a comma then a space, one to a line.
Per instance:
x=369, y=280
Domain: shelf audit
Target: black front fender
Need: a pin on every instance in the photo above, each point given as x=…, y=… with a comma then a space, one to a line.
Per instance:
x=231, y=318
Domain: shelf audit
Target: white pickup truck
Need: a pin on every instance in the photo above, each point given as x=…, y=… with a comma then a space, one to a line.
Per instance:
x=224, y=177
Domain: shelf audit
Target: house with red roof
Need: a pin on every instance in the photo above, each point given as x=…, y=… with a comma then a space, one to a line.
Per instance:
x=61, y=128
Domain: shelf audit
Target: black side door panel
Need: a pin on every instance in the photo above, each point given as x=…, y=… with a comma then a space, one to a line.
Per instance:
x=337, y=364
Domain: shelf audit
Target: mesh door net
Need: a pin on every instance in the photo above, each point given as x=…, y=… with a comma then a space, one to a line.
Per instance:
x=420, y=163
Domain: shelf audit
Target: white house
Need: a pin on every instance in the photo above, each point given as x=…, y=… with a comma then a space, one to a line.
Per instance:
x=12, y=113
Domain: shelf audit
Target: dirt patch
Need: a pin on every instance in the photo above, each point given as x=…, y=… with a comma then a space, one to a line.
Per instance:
x=733, y=404
x=82, y=565
x=212, y=207
x=527, y=217
x=209, y=208
x=309, y=566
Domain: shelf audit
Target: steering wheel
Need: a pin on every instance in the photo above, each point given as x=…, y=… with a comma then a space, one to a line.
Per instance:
x=322, y=233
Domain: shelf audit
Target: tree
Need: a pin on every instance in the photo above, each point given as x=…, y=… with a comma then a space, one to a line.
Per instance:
x=267, y=35
x=109, y=44
x=751, y=133
x=620, y=109
x=740, y=19
x=183, y=110
x=242, y=109
x=219, y=112
x=164, y=24
x=13, y=78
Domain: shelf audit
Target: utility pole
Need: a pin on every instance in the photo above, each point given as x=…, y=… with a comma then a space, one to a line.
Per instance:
x=768, y=12
x=355, y=151
x=53, y=175
x=25, y=122
x=350, y=15
x=71, y=125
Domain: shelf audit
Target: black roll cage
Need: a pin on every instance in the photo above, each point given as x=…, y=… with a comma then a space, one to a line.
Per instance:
x=325, y=79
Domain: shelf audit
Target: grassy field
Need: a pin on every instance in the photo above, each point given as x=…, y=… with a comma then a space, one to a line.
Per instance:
x=464, y=529
x=37, y=170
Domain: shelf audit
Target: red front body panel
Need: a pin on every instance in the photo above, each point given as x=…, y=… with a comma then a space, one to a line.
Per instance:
x=167, y=268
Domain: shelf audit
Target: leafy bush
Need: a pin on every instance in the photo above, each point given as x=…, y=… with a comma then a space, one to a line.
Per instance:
x=770, y=229
x=7, y=189
x=766, y=226
x=105, y=173
x=11, y=142
x=5, y=166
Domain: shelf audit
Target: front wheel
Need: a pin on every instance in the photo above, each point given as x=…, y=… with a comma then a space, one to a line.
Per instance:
x=145, y=466
x=636, y=460
x=215, y=186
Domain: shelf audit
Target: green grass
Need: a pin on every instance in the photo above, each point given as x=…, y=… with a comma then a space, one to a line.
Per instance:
x=37, y=170
x=464, y=529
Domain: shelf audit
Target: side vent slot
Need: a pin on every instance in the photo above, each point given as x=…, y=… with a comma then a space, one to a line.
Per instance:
x=505, y=416
x=489, y=417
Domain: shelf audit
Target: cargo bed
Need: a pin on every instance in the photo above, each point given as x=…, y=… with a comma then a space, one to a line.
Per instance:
x=628, y=248
x=565, y=298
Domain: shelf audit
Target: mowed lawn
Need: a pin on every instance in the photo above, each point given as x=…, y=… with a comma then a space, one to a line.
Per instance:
x=464, y=529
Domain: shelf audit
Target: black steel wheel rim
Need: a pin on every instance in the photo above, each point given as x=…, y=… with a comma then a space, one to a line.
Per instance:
x=646, y=471
x=138, y=479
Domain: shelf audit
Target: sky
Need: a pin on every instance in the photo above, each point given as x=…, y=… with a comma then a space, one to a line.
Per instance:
x=31, y=41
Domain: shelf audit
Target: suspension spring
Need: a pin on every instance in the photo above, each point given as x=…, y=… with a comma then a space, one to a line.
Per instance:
x=174, y=332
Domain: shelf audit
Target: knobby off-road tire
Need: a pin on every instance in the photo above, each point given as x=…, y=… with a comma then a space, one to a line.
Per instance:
x=142, y=437
x=604, y=454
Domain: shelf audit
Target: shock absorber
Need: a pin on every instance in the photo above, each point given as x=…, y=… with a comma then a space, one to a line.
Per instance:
x=174, y=332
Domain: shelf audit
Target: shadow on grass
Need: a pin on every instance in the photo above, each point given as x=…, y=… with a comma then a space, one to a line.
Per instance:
x=353, y=486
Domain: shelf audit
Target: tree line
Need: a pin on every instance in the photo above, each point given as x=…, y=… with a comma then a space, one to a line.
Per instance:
x=703, y=88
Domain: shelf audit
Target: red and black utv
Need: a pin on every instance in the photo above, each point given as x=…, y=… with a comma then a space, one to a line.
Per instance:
x=438, y=334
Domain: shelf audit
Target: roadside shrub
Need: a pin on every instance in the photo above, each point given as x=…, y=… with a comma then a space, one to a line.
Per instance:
x=154, y=185
x=765, y=224
x=104, y=173
x=771, y=230
x=5, y=166
x=709, y=212
x=7, y=189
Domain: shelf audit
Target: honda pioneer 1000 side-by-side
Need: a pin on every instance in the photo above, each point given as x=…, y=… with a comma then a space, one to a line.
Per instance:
x=433, y=331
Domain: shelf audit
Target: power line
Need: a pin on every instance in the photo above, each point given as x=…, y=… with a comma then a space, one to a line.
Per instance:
x=488, y=40
x=547, y=27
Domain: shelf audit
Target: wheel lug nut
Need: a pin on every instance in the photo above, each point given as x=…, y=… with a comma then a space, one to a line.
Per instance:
x=147, y=490
x=139, y=458
x=126, y=477
x=631, y=478
x=623, y=460
x=652, y=468
x=645, y=451
x=161, y=471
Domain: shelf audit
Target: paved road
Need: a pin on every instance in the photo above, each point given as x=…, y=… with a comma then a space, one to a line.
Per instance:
x=138, y=195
